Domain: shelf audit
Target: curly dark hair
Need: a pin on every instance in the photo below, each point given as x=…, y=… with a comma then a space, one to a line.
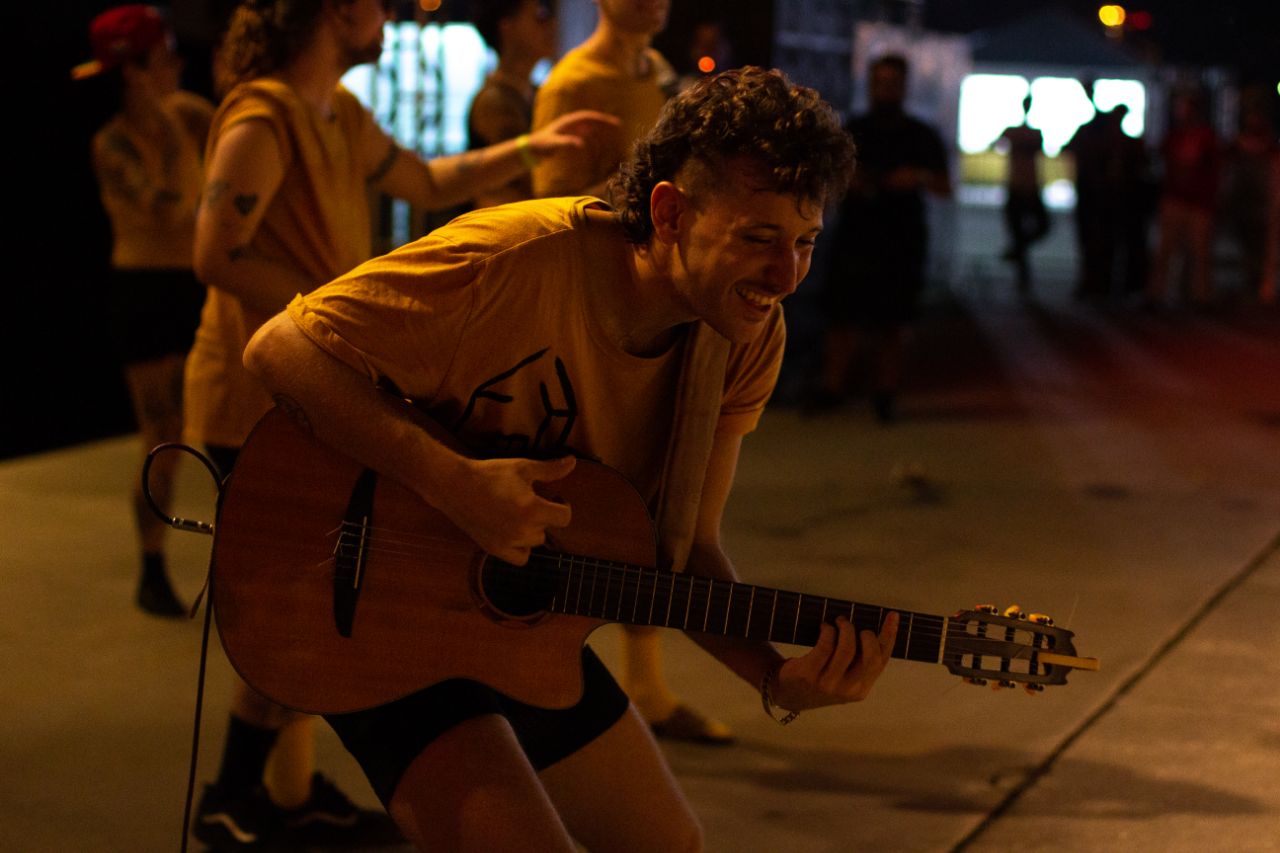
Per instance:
x=263, y=37
x=787, y=130
x=486, y=15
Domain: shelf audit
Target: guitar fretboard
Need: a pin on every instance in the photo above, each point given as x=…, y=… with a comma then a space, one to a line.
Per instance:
x=618, y=592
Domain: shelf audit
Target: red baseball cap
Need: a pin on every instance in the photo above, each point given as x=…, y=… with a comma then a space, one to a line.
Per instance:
x=121, y=34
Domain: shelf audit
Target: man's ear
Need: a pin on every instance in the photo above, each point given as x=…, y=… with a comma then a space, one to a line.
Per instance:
x=667, y=206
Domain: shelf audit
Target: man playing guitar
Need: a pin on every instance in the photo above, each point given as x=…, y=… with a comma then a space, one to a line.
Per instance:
x=546, y=330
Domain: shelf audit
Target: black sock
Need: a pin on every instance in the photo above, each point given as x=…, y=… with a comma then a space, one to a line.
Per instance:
x=153, y=570
x=244, y=756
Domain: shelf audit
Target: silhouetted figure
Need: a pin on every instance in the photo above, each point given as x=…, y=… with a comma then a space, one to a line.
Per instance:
x=1025, y=216
x=1189, y=192
x=1131, y=199
x=1250, y=191
x=877, y=269
x=1095, y=226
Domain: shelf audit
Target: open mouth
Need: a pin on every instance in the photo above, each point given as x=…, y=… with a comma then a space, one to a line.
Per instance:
x=756, y=299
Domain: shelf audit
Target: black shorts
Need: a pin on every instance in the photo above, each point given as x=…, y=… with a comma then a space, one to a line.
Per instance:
x=153, y=312
x=386, y=740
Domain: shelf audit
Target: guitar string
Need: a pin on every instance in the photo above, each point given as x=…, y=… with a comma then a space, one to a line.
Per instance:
x=394, y=536
x=925, y=625
x=649, y=579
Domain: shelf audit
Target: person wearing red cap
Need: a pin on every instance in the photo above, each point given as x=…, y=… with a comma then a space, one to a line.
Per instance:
x=147, y=158
x=292, y=158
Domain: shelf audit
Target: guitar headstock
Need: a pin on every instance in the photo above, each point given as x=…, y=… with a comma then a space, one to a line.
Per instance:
x=985, y=646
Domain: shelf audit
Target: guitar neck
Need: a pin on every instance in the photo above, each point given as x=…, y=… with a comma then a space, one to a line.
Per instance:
x=632, y=595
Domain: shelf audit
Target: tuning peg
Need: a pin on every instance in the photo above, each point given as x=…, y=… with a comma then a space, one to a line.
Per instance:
x=986, y=608
x=1033, y=689
x=1002, y=684
x=1041, y=619
x=976, y=682
x=1013, y=611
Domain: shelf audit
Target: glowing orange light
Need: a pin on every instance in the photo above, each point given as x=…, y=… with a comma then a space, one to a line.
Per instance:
x=1111, y=16
x=706, y=65
x=429, y=5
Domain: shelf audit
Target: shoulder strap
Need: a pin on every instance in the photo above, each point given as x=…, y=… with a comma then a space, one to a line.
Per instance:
x=693, y=428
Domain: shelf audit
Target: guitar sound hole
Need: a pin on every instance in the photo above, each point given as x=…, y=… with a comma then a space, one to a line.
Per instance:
x=517, y=591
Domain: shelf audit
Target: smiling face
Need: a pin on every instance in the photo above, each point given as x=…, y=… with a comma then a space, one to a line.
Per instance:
x=738, y=247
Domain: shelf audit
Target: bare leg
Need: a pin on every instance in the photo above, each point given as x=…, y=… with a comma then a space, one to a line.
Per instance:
x=292, y=760
x=472, y=789
x=617, y=794
x=647, y=686
x=155, y=389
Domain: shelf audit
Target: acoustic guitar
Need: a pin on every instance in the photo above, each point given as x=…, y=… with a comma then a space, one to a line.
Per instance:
x=336, y=589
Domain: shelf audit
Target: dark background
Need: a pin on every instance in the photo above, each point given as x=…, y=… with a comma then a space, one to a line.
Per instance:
x=60, y=383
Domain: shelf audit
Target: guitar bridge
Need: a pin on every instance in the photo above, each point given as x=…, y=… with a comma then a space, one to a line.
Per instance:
x=351, y=550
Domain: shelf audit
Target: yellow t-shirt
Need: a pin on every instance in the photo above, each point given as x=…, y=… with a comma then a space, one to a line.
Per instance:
x=150, y=185
x=579, y=81
x=486, y=325
x=317, y=223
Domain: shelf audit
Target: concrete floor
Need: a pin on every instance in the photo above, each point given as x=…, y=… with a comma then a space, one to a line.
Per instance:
x=1119, y=472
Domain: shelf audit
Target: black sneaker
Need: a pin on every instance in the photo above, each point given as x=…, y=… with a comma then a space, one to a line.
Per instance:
x=234, y=820
x=329, y=815
x=158, y=599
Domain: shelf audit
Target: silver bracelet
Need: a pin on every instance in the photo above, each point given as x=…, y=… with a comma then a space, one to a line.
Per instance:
x=766, y=699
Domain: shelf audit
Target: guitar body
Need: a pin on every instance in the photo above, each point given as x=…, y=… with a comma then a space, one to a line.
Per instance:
x=416, y=604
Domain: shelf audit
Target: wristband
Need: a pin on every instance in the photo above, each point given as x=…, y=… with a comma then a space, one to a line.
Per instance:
x=766, y=700
x=527, y=157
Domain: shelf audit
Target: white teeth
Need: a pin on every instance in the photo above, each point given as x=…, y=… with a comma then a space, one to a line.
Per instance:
x=756, y=298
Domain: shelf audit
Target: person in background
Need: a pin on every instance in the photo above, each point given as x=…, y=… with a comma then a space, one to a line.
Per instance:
x=522, y=33
x=616, y=70
x=1249, y=192
x=877, y=268
x=147, y=159
x=292, y=158
x=1192, y=158
x=1025, y=216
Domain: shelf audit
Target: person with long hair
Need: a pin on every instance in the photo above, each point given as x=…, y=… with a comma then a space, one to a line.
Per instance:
x=147, y=159
x=292, y=158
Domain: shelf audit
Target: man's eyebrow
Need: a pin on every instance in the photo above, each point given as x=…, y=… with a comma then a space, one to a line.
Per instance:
x=773, y=226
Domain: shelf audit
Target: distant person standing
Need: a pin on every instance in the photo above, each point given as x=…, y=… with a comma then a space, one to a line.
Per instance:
x=522, y=33
x=147, y=159
x=617, y=71
x=1025, y=216
x=1249, y=193
x=877, y=270
x=1191, y=156
x=1089, y=148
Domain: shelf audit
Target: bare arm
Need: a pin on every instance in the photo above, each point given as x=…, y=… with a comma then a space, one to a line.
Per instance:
x=244, y=174
x=491, y=500
x=842, y=667
x=446, y=181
